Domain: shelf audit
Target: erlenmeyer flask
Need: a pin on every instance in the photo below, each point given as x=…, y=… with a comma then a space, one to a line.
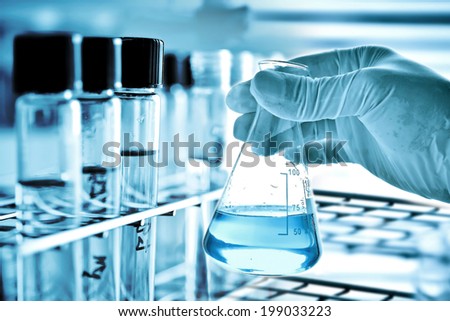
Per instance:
x=265, y=222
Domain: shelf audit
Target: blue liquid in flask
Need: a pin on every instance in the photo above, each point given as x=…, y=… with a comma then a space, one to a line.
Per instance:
x=264, y=240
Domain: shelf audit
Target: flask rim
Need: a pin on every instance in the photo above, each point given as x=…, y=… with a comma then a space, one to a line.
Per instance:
x=273, y=63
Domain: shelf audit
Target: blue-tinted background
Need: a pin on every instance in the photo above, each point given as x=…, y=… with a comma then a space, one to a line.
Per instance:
x=284, y=28
x=418, y=29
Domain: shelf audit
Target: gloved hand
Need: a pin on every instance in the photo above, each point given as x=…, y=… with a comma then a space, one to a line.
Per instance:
x=393, y=113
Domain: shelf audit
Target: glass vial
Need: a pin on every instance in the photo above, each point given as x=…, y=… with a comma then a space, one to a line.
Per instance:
x=170, y=234
x=211, y=71
x=208, y=119
x=48, y=132
x=174, y=120
x=142, y=60
x=100, y=128
x=48, y=193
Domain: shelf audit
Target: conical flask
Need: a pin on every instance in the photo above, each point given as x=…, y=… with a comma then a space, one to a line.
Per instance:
x=265, y=223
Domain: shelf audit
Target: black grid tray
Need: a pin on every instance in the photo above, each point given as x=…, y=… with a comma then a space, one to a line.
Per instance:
x=306, y=289
x=354, y=223
x=361, y=223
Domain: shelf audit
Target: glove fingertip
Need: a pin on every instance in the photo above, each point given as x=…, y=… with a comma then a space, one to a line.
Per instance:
x=239, y=132
x=242, y=125
x=267, y=83
x=239, y=98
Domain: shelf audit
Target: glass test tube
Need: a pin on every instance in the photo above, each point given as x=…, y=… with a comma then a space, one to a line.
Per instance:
x=174, y=121
x=51, y=275
x=174, y=272
x=48, y=193
x=8, y=259
x=207, y=170
x=141, y=73
x=208, y=119
x=100, y=116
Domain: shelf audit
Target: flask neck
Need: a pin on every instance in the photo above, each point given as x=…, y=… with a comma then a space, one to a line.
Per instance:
x=211, y=68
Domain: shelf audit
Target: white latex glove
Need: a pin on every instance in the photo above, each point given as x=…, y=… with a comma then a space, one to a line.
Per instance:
x=393, y=113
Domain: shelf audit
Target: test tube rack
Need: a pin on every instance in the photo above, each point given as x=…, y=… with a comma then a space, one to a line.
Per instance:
x=351, y=223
